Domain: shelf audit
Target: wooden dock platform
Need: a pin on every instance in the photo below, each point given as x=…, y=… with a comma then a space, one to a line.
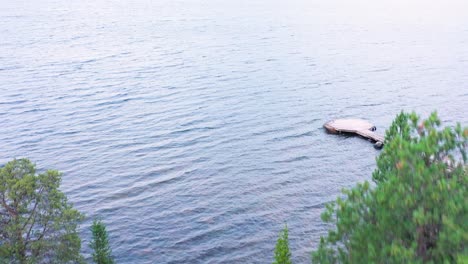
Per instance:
x=355, y=126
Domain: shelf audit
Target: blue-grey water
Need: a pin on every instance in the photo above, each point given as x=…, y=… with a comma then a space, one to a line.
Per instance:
x=194, y=128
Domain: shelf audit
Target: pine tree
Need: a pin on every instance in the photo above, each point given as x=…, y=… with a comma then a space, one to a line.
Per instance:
x=37, y=223
x=417, y=210
x=100, y=244
x=282, y=254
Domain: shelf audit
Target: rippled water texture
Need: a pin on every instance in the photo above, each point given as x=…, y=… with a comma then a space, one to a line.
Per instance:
x=194, y=128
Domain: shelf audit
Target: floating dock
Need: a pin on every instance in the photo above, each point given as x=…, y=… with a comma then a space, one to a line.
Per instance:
x=355, y=126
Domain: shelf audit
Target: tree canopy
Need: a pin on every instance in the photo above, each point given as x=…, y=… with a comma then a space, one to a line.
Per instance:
x=416, y=210
x=37, y=224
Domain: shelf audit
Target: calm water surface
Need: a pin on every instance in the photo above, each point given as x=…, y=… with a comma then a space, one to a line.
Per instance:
x=193, y=128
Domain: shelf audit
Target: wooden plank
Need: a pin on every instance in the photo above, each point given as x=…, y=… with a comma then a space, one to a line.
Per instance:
x=351, y=125
x=357, y=126
x=371, y=135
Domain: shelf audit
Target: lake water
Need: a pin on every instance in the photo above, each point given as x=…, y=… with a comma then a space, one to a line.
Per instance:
x=194, y=128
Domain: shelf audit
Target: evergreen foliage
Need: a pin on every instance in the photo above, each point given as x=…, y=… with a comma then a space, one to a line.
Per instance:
x=417, y=211
x=282, y=254
x=37, y=224
x=100, y=244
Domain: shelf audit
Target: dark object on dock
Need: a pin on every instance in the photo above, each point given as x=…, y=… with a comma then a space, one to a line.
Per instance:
x=378, y=145
x=355, y=126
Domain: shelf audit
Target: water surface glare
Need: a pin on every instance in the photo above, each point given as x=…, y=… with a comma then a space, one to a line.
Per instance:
x=194, y=128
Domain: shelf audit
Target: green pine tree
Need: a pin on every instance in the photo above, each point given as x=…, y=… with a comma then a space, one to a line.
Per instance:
x=282, y=254
x=416, y=212
x=37, y=223
x=100, y=244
